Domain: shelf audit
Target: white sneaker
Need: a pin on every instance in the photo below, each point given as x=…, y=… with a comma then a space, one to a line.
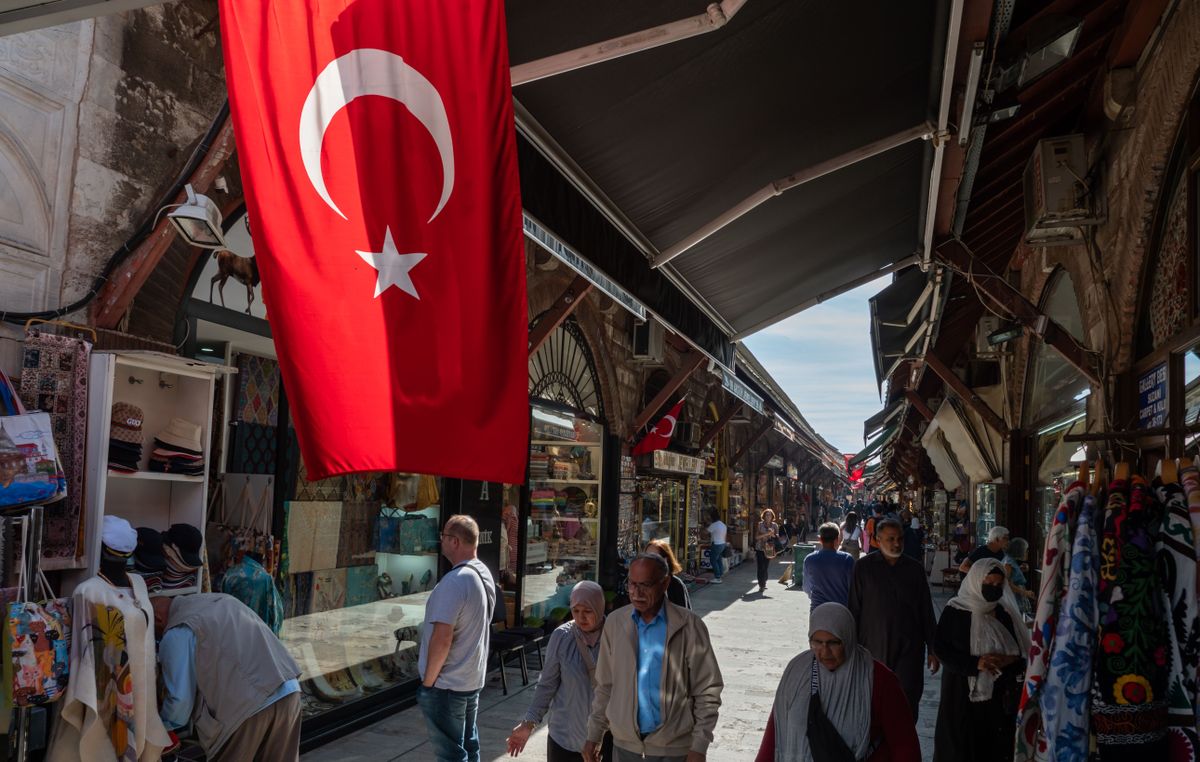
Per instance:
x=717, y=580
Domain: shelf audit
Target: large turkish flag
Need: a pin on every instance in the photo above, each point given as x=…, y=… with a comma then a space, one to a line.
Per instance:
x=377, y=150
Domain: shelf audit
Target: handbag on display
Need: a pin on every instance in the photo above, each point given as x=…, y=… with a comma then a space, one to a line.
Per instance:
x=387, y=530
x=39, y=636
x=30, y=471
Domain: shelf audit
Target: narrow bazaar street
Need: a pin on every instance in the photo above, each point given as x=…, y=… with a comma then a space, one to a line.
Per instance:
x=754, y=636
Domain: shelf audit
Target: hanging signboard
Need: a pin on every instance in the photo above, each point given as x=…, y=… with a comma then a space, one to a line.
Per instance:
x=775, y=463
x=734, y=385
x=793, y=472
x=1152, y=397
x=665, y=460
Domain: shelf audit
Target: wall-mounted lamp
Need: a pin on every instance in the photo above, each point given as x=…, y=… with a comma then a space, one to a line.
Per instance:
x=198, y=220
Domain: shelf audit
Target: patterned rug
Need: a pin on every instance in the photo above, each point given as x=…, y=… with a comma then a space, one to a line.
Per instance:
x=258, y=390
x=54, y=379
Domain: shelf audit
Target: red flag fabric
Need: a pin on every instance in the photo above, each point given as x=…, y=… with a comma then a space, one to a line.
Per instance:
x=660, y=436
x=377, y=150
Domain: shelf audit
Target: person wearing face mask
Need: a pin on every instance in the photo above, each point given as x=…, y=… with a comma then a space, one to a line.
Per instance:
x=983, y=642
x=564, y=688
x=891, y=602
x=836, y=703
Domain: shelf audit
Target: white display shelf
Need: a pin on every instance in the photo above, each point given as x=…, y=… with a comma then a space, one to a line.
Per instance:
x=565, y=481
x=156, y=476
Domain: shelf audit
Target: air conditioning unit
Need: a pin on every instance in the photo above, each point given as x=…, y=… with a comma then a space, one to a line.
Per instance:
x=988, y=324
x=689, y=435
x=649, y=339
x=1058, y=201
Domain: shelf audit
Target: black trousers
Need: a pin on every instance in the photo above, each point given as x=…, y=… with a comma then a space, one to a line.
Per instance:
x=764, y=564
x=556, y=753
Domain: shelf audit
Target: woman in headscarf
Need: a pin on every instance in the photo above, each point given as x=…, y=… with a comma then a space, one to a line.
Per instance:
x=983, y=642
x=837, y=704
x=565, y=685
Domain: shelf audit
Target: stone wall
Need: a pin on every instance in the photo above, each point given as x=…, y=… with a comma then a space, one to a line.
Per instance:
x=97, y=118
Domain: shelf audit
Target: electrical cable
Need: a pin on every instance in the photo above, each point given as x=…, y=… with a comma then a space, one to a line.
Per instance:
x=145, y=231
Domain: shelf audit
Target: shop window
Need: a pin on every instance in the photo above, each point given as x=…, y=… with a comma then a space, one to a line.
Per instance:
x=562, y=371
x=1191, y=385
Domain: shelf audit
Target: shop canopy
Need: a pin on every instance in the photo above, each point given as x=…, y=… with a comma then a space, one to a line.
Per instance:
x=801, y=106
x=898, y=318
x=877, y=421
x=876, y=444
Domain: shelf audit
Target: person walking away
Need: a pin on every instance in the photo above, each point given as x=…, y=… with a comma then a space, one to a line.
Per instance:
x=454, y=645
x=718, y=534
x=852, y=535
x=837, y=703
x=677, y=591
x=997, y=544
x=914, y=537
x=893, y=609
x=982, y=641
x=828, y=571
x=766, y=535
x=245, y=702
x=870, y=531
x=658, y=685
x=564, y=688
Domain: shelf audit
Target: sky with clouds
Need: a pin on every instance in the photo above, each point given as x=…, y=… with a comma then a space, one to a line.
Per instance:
x=822, y=359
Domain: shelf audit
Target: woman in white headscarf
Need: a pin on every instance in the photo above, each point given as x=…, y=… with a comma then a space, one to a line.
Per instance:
x=837, y=704
x=564, y=687
x=983, y=643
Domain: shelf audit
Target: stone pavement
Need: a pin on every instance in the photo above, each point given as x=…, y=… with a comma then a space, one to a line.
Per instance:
x=753, y=635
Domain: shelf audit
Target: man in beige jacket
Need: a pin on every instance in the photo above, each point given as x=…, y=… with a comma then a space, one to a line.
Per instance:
x=658, y=686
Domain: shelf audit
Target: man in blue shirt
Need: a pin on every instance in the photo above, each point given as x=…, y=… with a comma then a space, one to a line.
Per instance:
x=827, y=572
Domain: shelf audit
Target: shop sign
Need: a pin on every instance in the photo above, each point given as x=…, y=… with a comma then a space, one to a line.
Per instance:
x=1152, y=397
x=665, y=460
x=734, y=385
x=551, y=243
x=775, y=463
x=793, y=472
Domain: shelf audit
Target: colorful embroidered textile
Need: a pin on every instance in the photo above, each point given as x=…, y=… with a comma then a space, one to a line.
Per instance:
x=1177, y=564
x=54, y=379
x=250, y=583
x=312, y=535
x=1129, y=704
x=329, y=590
x=41, y=650
x=258, y=390
x=1065, y=694
x=1031, y=742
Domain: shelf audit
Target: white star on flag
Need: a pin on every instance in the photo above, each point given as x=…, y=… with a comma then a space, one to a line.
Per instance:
x=392, y=266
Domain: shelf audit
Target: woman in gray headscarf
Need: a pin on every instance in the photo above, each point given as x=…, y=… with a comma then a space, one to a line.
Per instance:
x=564, y=688
x=983, y=643
x=837, y=704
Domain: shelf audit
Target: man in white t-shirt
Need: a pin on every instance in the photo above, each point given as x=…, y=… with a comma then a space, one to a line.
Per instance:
x=454, y=645
x=717, y=532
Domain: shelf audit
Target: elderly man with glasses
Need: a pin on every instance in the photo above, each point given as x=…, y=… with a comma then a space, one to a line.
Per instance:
x=658, y=686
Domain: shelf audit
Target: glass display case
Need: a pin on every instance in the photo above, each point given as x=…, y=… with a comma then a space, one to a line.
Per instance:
x=991, y=501
x=563, y=541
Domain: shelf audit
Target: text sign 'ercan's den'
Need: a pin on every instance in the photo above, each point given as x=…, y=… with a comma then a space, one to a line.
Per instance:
x=1152, y=397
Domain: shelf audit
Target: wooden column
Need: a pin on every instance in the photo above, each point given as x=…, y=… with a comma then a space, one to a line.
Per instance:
x=964, y=392
x=562, y=308
x=688, y=365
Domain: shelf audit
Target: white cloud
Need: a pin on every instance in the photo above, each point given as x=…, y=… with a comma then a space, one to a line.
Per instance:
x=822, y=359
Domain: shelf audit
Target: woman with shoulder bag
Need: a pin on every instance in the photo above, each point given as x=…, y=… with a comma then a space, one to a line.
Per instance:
x=837, y=704
x=852, y=535
x=765, y=546
x=564, y=688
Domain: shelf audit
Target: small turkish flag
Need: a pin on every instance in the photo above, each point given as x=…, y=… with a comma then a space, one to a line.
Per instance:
x=660, y=437
x=377, y=148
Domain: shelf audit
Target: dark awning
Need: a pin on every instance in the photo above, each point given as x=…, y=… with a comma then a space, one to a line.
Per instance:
x=673, y=137
x=893, y=333
x=877, y=421
x=875, y=445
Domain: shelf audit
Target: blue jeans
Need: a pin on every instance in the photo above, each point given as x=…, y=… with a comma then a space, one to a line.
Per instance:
x=450, y=717
x=717, y=559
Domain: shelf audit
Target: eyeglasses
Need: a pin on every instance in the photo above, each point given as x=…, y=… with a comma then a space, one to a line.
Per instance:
x=444, y=535
x=641, y=587
x=830, y=644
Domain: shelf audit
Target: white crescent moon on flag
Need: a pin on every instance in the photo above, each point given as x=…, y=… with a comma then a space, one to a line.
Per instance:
x=670, y=433
x=367, y=71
